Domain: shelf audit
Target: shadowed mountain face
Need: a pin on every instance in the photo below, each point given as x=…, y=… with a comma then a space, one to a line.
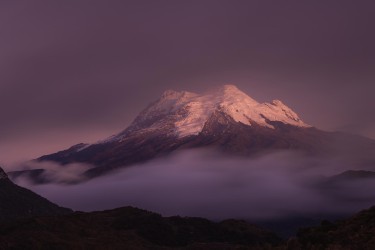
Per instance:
x=227, y=120
x=132, y=228
x=17, y=202
x=226, y=135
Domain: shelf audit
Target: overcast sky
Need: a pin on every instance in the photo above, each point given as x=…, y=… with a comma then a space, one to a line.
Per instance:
x=78, y=71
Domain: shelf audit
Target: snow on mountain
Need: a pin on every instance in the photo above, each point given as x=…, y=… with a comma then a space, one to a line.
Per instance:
x=190, y=111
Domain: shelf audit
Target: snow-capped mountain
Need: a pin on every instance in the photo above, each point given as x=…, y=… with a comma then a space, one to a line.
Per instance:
x=188, y=112
x=226, y=119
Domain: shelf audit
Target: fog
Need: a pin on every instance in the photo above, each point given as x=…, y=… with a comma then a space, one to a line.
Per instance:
x=54, y=172
x=203, y=183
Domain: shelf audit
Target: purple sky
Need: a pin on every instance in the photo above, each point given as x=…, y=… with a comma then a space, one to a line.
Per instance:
x=75, y=71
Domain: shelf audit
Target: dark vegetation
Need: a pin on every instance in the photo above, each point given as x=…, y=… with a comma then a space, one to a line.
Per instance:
x=356, y=233
x=132, y=228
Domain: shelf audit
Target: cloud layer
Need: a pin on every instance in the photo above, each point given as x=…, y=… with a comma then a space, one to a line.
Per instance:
x=202, y=183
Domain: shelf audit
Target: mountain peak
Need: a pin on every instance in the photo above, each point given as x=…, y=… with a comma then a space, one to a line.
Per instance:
x=172, y=94
x=230, y=88
x=278, y=103
x=188, y=112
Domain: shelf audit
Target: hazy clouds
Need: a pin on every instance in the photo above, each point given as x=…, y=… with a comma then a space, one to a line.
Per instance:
x=76, y=71
x=202, y=183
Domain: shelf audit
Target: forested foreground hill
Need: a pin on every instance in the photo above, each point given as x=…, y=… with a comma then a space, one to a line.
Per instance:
x=357, y=232
x=132, y=228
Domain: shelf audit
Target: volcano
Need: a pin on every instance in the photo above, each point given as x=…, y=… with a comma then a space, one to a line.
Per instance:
x=226, y=119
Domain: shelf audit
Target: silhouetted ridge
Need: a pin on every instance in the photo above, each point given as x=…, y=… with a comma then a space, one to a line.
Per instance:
x=17, y=202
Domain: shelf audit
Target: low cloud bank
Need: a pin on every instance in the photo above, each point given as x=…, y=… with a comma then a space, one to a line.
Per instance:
x=203, y=183
x=52, y=172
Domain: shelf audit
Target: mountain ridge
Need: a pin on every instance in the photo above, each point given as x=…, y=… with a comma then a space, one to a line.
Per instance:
x=17, y=202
